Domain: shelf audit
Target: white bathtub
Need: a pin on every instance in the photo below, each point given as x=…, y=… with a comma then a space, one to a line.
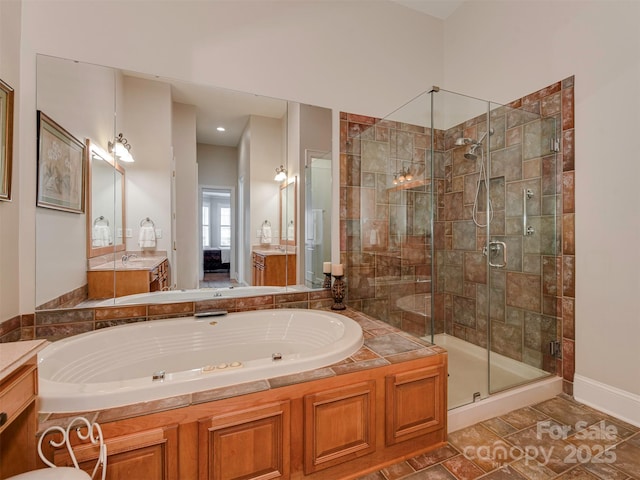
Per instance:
x=174, y=296
x=114, y=366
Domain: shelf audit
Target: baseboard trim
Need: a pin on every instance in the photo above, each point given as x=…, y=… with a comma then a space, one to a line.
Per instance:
x=608, y=399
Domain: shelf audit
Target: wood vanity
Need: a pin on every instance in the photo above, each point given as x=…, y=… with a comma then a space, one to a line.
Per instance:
x=138, y=275
x=18, y=415
x=273, y=267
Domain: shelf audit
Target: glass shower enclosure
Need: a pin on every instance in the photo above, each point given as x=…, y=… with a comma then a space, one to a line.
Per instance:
x=449, y=208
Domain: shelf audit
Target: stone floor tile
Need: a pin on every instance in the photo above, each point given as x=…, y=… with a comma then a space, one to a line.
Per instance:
x=462, y=468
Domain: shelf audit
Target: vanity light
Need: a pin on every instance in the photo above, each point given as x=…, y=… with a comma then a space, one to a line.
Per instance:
x=281, y=174
x=221, y=129
x=121, y=149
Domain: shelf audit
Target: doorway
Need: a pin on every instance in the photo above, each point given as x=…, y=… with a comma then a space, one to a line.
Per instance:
x=217, y=239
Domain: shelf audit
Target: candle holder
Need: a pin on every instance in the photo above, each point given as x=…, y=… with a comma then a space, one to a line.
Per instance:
x=327, y=281
x=337, y=291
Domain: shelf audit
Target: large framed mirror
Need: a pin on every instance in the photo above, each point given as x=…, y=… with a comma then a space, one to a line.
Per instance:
x=181, y=154
x=105, y=216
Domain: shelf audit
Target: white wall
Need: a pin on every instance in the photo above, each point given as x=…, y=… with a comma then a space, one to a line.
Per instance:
x=217, y=165
x=148, y=126
x=184, y=150
x=9, y=211
x=503, y=50
x=267, y=153
x=80, y=98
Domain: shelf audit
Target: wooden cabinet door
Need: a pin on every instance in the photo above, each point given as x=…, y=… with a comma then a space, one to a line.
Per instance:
x=339, y=425
x=149, y=455
x=415, y=403
x=249, y=444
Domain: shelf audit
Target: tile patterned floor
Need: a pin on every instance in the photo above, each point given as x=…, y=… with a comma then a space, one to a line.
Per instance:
x=556, y=439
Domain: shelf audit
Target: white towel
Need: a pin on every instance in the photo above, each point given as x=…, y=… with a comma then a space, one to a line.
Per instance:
x=147, y=237
x=265, y=237
x=101, y=236
x=225, y=255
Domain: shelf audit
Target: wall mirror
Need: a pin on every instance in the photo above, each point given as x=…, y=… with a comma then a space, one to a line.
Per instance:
x=105, y=203
x=178, y=152
x=288, y=211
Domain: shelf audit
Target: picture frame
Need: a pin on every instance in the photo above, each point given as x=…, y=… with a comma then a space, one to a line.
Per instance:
x=6, y=140
x=61, y=167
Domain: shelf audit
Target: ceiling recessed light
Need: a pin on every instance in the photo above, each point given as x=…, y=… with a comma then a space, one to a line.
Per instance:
x=220, y=129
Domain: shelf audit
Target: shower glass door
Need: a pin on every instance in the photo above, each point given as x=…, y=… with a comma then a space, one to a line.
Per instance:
x=495, y=243
x=522, y=245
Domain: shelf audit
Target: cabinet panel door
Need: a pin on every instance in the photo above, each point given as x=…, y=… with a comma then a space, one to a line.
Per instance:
x=248, y=444
x=415, y=403
x=339, y=425
x=150, y=454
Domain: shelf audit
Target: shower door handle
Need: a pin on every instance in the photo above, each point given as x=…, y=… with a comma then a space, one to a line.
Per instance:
x=495, y=247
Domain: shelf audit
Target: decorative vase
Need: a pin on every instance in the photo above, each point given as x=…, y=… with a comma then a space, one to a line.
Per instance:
x=338, y=290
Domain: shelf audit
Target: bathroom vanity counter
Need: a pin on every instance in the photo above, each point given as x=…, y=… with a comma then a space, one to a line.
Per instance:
x=14, y=355
x=136, y=263
x=18, y=391
x=137, y=275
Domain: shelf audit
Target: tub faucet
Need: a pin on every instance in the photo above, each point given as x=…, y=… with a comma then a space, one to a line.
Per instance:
x=126, y=257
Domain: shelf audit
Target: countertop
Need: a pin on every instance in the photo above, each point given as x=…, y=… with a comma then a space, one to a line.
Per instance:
x=140, y=263
x=272, y=251
x=14, y=354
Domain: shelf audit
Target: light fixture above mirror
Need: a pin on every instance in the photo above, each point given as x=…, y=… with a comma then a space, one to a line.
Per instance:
x=121, y=149
x=281, y=174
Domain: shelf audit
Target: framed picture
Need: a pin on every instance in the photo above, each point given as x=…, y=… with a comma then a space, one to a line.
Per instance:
x=6, y=140
x=61, y=167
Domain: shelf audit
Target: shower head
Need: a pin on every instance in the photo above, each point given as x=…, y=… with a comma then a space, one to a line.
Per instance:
x=471, y=154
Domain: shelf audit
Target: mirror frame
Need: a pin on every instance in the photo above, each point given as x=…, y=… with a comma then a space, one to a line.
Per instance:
x=284, y=200
x=97, y=251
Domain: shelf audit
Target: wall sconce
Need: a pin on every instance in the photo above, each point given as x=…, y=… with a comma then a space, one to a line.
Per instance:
x=281, y=174
x=121, y=149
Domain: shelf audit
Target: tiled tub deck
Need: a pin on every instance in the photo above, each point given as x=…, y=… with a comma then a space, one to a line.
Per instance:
x=393, y=390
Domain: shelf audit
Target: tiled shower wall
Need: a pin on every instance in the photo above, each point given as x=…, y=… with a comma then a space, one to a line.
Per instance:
x=532, y=300
x=385, y=228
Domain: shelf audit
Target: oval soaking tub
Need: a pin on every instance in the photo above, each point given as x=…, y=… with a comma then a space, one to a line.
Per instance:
x=194, y=295
x=151, y=360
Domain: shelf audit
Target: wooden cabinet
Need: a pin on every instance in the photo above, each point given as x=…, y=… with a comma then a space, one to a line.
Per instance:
x=18, y=423
x=274, y=269
x=338, y=427
x=127, y=281
x=249, y=444
x=150, y=454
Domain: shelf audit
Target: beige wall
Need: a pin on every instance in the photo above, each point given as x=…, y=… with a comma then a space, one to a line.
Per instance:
x=10, y=211
x=599, y=42
x=186, y=198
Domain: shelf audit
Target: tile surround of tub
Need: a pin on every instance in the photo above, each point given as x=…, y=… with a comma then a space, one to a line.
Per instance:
x=57, y=324
x=369, y=149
